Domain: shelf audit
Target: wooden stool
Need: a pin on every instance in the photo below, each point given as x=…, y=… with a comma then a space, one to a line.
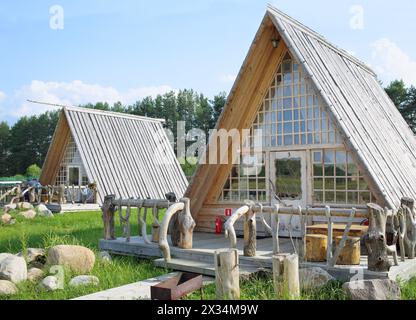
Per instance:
x=351, y=254
x=316, y=247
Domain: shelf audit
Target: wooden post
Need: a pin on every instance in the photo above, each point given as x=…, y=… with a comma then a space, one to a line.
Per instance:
x=410, y=234
x=73, y=194
x=127, y=224
x=330, y=234
x=156, y=225
x=186, y=225
x=250, y=234
x=61, y=194
x=39, y=195
x=275, y=229
x=32, y=195
x=143, y=223
x=303, y=228
x=227, y=275
x=108, y=210
x=286, y=275
x=375, y=240
x=400, y=225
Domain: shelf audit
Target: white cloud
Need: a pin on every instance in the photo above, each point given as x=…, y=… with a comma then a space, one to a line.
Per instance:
x=228, y=78
x=391, y=62
x=73, y=93
x=2, y=96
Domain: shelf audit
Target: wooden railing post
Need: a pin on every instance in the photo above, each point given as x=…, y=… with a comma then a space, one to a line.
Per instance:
x=227, y=275
x=155, y=225
x=250, y=232
x=376, y=242
x=330, y=235
x=61, y=196
x=286, y=275
x=186, y=225
x=108, y=210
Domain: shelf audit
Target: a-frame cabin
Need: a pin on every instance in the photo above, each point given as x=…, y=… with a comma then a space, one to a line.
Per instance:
x=123, y=154
x=331, y=135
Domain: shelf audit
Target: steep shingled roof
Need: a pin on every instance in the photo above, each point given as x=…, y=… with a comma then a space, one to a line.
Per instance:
x=126, y=155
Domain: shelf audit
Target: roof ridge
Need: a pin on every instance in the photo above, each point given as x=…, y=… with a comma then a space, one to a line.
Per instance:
x=111, y=113
x=273, y=10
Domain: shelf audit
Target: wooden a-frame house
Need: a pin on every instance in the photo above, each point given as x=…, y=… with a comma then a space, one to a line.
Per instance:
x=125, y=155
x=331, y=135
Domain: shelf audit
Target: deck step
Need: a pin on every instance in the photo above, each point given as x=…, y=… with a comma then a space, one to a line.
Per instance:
x=199, y=267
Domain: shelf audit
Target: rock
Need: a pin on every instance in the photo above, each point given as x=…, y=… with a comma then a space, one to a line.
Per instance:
x=104, y=256
x=379, y=289
x=3, y=256
x=34, y=274
x=34, y=255
x=79, y=259
x=84, y=281
x=30, y=214
x=9, y=207
x=44, y=211
x=50, y=283
x=6, y=218
x=25, y=206
x=7, y=288
x=313, y=278
x=14, y=269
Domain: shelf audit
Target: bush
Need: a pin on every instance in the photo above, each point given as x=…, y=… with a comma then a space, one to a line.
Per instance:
x=33, y=171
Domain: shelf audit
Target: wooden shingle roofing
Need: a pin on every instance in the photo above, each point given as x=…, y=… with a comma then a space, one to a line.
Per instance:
x=126, y=155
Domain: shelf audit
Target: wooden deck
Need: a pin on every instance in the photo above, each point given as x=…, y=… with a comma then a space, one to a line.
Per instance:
x=200, y=259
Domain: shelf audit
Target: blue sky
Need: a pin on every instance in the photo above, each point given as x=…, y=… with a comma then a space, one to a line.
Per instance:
x=125, y=50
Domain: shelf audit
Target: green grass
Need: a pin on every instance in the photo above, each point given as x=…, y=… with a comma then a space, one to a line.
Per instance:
x=86, y=229
x=260, y=287
x=73, y=228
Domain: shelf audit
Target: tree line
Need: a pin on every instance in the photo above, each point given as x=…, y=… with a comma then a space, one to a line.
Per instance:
x=24, y=145
x=26, y=142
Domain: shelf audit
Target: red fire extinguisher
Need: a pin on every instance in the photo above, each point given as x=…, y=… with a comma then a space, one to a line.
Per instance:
x=218, y=225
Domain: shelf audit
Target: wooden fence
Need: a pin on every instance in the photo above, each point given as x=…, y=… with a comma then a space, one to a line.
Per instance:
x=47, y=194
x=181, y=229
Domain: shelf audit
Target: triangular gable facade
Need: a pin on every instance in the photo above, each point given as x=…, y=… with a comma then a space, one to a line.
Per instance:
x=125, y=155
x=357, y=126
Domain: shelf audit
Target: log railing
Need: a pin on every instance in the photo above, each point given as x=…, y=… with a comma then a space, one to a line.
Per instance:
x=250, y=209
x=48, y=194
x=7, y=195
x=182, y=230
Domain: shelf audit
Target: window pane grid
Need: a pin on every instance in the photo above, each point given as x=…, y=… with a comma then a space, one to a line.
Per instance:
x=291, y=113
x=337, y=179
x=246, y=182
x=72, y=157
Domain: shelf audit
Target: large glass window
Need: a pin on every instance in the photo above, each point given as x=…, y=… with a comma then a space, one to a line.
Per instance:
x=247, y=181
x=288, y=179
x=336, y=179
x=72, y=158
x=292, y=113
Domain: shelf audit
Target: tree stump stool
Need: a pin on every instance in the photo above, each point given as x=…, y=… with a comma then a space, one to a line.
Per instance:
x=316, y=247
x=351, y=253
